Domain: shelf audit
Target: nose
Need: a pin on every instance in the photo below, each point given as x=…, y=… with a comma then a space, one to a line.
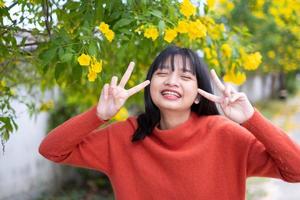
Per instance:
x=171, y=79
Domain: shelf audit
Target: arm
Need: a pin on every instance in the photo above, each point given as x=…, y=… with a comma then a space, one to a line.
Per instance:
x=272, y=153
x=77, y=142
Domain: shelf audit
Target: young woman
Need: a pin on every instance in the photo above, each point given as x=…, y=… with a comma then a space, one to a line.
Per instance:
x=181, y=147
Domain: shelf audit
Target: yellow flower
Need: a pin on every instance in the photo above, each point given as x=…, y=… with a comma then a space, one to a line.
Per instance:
x=3, y=83
x=139, y=29
x=271, y=54
x=238, y=78
x=121, y=115
x=187, y=8
x=170, y=35
x=216, y=31
x=110, y=35
x=210, y=3
x=45, y=106
x=97, y=66
x=196, y=30
x=92, y=75
x=151, y=32
x=207, y=53
x=84, y=60
x=182, y=26
x=2, y=4
x=215, y=63
x=12, y=92
x=251, y=61
x=226, y=50
x=103, y=27
x=229, y=6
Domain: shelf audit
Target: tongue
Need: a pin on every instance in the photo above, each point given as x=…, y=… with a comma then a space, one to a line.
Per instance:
x=170, y=96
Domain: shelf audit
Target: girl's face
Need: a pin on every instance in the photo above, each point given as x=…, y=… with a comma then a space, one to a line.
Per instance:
x=174, y=90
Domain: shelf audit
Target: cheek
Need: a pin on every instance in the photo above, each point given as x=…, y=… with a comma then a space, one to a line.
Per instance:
x=192, y=90
x=153, y=90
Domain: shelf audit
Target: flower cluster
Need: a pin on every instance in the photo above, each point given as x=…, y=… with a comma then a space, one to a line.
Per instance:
x=46, y=106
x=187, y=8
x=194, y=28
x=121, y=115
x=251, y=61
x=108, y=33
x=2, y=4
x=151, y=32
x=211, y=56
x=95, y=66
x=236, y=78
x=226, y=50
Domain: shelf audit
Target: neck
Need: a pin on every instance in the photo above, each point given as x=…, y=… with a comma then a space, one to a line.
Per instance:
x=170, y=120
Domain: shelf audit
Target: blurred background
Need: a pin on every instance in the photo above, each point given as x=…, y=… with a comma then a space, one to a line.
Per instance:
x=55, y=56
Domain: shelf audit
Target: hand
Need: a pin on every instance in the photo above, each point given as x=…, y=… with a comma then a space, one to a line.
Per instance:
x=235, y=105
x=114, y=96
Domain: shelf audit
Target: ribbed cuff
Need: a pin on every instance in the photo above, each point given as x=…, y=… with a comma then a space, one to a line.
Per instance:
x=255, y=119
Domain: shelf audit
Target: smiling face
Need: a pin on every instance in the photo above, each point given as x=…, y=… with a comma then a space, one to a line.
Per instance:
x=174, y=89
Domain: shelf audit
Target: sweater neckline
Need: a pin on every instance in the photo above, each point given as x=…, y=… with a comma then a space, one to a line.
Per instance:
x=178, y=135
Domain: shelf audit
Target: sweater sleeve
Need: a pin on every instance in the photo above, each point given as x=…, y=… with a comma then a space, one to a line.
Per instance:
x=272, y=153
x=77, y=142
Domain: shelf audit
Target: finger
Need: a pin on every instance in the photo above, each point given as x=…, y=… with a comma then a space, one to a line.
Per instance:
x=127, y=75
x=106, y=91
x=113, y=85
x=217, y=80
x=225, y=101
x=102, y=93
x=234, y=97
x=209, y=96
x=227, y=91
x=114, y=81
x=138, y=87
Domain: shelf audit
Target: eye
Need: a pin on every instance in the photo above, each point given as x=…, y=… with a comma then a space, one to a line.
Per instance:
x=186, y=77
x=161, y=73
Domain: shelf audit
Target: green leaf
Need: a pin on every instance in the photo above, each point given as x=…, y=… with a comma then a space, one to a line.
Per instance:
x=59, y=69
x=5, y=135
x=92, y=49
x=115, y=15
x=48, y=55
x=66, y=57
x=156, y=13
x=76, y=73
x=161, y=26
x=122, y=22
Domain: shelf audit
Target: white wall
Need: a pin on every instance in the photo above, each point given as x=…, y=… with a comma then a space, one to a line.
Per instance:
x=24, y=173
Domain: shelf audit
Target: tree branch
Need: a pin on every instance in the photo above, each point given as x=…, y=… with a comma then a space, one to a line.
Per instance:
x=12, y=5
x=46, y=13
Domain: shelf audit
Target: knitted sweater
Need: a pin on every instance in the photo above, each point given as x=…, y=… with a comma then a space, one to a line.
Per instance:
x=206, y=157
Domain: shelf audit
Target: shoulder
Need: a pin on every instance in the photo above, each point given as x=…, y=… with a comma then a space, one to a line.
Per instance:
x=224, y=127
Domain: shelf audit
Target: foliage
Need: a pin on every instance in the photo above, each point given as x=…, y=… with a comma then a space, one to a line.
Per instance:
x=79, y=45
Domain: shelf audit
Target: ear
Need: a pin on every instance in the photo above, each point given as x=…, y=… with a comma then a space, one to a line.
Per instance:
x=197, y=100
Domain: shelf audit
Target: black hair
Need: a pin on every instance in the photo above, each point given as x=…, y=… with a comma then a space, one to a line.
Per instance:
x=149, y=119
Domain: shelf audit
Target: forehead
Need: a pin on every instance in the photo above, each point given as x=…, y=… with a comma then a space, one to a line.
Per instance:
x=177, y=61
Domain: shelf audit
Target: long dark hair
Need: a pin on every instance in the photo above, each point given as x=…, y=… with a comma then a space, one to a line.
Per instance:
x=147, y=120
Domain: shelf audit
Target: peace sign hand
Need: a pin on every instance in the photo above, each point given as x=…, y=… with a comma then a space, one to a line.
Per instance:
x=235, y=105
x=114, y=96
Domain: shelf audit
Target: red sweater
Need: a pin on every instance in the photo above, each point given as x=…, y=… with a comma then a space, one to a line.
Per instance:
x=206, y=157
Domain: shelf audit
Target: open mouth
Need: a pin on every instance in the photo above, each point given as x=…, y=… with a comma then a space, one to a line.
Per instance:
x=171, y=94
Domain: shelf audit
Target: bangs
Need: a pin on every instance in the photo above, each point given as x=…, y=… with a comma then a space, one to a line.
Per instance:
x=187, y=62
